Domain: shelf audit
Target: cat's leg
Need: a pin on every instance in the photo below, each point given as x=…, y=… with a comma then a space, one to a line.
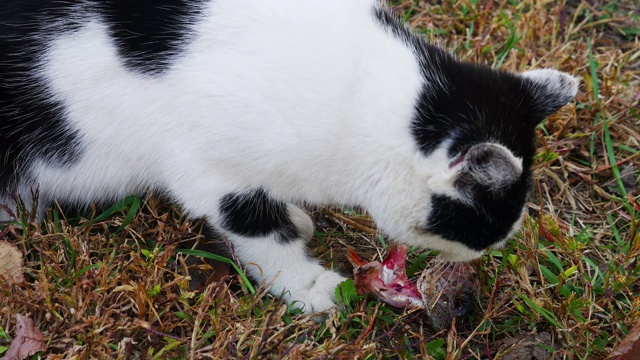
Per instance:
x=269, y=237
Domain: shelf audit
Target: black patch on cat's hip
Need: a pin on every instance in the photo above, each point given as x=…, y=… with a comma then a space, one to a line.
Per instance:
x=32, y=125
x=149, y=33
x=255, y=214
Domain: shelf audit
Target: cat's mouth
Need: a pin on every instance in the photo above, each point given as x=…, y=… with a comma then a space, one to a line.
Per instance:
x=458, y=159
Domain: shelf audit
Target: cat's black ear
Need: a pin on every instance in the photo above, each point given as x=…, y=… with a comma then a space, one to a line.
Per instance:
x=551, y=90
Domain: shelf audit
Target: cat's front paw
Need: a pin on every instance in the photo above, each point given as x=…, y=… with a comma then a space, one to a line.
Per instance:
x=319, y=296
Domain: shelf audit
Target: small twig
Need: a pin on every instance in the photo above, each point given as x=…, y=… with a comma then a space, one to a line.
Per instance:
x=623, y=161
x=147, y=326
x=564, y=187
x=352, y=223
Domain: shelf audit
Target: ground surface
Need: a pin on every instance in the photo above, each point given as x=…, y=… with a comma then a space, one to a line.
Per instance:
x=567, y=288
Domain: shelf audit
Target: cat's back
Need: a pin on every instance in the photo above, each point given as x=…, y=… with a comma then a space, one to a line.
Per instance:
x=41, y=39
x=111, y=96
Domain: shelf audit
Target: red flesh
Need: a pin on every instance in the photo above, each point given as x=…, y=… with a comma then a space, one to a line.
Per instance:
x=387, y=280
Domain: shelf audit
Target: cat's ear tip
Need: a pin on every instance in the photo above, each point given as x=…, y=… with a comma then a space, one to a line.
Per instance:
x=561, y=83
x=552, y=89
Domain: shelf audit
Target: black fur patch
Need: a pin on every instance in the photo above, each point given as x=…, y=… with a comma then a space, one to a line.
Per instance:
x=470, y=104
x=255, y=214
x=477, y=105
x=149, y=33
x=31, y=123
x=480, y=225
x=467, y=103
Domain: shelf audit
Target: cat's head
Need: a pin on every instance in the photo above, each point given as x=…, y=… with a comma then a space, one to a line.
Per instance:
x=476, y=127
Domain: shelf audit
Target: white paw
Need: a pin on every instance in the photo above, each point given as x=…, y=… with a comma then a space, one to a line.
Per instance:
x=320, y=296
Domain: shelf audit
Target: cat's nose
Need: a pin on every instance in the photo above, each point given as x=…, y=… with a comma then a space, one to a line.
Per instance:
x=492, y=165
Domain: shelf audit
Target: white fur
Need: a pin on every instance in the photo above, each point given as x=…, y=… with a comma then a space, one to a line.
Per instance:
x=223, y=119
x=233, y=112
x=440, y=176
x=289, y=272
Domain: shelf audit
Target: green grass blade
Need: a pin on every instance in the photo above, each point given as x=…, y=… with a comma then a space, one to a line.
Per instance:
x=554, y=260
x=409, y=12
x=208, y=255
x=419, y=263
x=544, y=312
x=133, y=211
x=549, y=275
x=593, y=71
x=119, y=206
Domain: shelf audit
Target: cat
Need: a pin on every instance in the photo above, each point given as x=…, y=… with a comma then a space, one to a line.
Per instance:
x=245, y=111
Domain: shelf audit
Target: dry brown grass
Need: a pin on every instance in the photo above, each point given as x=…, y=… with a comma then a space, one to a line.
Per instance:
x=570, y=282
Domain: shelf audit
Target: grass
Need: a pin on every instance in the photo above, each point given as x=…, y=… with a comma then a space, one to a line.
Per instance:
x=115, y=285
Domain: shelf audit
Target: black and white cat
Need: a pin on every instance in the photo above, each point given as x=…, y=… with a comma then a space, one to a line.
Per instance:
x=242, y=111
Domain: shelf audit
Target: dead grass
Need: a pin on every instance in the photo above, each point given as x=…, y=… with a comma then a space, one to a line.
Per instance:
x=570, y=283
